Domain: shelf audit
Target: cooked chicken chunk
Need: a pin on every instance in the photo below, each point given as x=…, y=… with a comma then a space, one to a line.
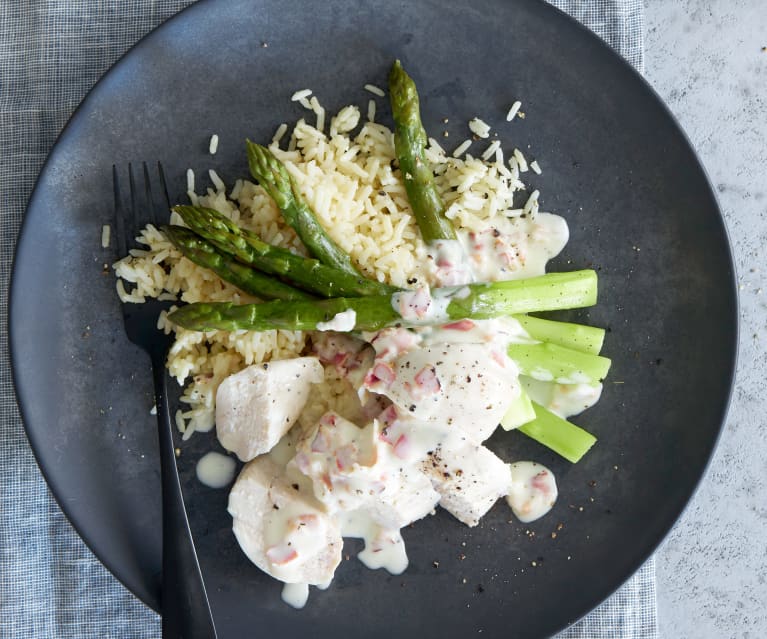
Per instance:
x=282, y=530
x=354, y=468
x=469, y=479
x=257, y=406
x=458, y=385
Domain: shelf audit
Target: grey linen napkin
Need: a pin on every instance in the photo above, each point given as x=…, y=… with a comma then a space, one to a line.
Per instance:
x=51, y=586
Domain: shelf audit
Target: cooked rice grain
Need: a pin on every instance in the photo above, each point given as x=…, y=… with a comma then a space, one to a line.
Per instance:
x=374, y=90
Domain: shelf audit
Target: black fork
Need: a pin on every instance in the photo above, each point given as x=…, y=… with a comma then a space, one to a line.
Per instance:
x=184, y=602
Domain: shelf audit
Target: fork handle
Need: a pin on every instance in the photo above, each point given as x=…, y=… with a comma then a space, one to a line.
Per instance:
x=183, y=599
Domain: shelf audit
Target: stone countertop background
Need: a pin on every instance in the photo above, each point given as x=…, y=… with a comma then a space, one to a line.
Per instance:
x=706, y=60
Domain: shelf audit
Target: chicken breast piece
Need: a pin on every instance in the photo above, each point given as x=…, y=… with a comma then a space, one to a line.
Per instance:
x=469, y=479
x=355, y=469
x=257, y=406
x=457, y=385
x=282, y=530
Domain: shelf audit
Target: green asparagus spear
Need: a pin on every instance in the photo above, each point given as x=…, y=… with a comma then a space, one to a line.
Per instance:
x=275, y=179
x=248, y=248
x=519, y=412
x=579, y=337
x=204, y=254
x=553, y=291
x=561, y=436
x=551, y=362
x=409, y=143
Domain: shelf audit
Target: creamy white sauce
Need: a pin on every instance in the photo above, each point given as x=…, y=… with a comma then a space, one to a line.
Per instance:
x=341, y=322
x=449, y=263
x=497, y=332
x=215, y=470
x=516, y=248
x=386, y=551
x=533, y=490
x=512, y=249
x=292, y=536
x=420, y=307
x=564, y=400
x=383, y=548
x=295, y=595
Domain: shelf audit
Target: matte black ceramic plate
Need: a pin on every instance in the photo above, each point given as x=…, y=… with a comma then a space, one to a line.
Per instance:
x=615, y=164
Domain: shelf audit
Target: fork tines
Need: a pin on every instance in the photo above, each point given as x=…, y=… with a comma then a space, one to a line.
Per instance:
x=145, y=206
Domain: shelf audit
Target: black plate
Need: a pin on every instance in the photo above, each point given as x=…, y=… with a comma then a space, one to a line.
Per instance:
x=615, y=164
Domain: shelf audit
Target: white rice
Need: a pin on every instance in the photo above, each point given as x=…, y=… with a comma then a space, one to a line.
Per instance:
x=300, y=95
x=349, y=180
x=531, y=206
x=190, y=193
x=319, y=111
x=375, y=90
x=371, y=110
x=280, y=133
x=491, y=149
x=461, y=148
x=106, y=236
x=536, y=167
x=217, y=181
x=435, y=147
x=213, y=146
x=479, y=128
x=521, y=162
x=513, y=111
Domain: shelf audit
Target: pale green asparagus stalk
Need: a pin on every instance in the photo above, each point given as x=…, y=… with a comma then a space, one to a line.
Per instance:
x=563, y=437
x=553, y=363
x=579, y=337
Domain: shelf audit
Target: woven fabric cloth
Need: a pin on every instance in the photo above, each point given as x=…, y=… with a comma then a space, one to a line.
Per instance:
x=51, y=53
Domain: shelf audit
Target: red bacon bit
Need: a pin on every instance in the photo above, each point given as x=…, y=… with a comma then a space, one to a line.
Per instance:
x=320, y=444
x=426, y=379
x=346, y=456
x=328, y=419
x=339, y=359
x=402, y=448
x=404, y=339
x=308, y=520
x=461, y=325
x=540, y=482
x=415, y=303
x=500, y=359
x=388, y=416
x=381, y=372
x=281, y=554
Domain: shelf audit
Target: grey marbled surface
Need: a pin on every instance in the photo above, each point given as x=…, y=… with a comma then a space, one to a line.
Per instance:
x=706, y=60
